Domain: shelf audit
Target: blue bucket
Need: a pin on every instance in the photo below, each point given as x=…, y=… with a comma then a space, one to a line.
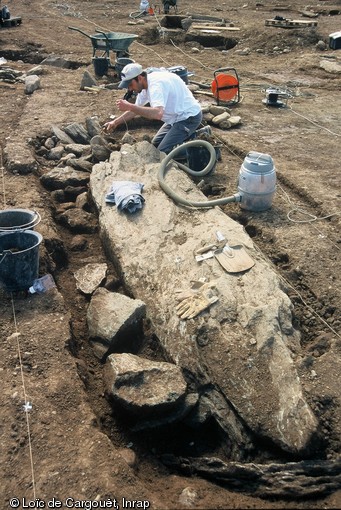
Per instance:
x=19, y=259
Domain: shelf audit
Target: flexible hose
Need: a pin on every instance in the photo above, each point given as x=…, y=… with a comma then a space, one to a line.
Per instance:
x=177, y=198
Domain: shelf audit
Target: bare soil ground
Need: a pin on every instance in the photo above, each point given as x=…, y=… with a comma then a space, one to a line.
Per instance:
x=300, y=234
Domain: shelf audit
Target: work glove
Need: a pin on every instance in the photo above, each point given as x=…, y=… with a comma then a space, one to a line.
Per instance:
x=195, y=300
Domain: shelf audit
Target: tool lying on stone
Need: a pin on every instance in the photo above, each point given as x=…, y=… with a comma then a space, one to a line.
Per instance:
x=195, y=300
x=234, y=259
x=207, y=252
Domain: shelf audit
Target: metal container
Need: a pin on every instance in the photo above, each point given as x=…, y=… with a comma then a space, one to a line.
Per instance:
x=257, y=182
x=106, y=41
x=180, y=71
x=120, y=64
x=101, y=65
x=19, y=259
x=18, y=219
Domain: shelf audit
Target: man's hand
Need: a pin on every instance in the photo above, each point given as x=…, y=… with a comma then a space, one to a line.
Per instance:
x=123, y=105
x=110, y=126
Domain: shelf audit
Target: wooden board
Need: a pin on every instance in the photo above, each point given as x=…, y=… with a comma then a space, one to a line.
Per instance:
x=290, y=23
x=213, y=27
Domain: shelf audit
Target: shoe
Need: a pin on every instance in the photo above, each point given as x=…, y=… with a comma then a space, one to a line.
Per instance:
x=206, y=130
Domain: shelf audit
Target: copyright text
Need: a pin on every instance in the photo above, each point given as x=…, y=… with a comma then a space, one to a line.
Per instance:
x=76, y=503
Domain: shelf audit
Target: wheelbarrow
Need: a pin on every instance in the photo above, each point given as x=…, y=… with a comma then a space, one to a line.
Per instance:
x=106, y=41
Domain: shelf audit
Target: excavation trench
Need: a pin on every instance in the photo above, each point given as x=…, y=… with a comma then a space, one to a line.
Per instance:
x=159, y=445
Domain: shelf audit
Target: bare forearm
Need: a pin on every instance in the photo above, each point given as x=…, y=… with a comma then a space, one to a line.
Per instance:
x=147, y=111
x=144, y=111
x=125, y=117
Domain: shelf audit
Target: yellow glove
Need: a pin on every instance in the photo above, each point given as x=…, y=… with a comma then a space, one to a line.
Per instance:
x=195, y=300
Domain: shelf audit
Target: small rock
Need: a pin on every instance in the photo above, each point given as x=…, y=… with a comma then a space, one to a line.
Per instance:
x=89, y=277
x=129, y=456
x=78, y=243
x=87, y=81
x=78, y=149
x=81, y=164
x=82, y=201
x=56, y=62
x=188, y=496
x=77, y=133
x=246, y=51
x=225, y=124
x=221, y=118
x=61, y=135
x=218, y=110
x=321, y=46
x=100, y=153
x=79, y=221
x=58, y=195
x=38, y=70
x=72, y=192
x=234, y=120
x=56, y=153
x=32, y=83
x=128, y=138
x=49, y=143
x=93, y=126
x=64, y=207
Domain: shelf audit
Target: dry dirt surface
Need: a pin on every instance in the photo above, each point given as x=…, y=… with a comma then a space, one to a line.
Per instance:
x=71, y=444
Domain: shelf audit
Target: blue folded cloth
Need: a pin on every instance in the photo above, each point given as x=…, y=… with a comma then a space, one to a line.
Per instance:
x=126, y=195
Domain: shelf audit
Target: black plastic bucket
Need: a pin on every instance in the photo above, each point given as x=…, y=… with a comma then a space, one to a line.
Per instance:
x=18, y=219
x=19, y=259
x=199, y=157
x=101, y=65
x=120, y=63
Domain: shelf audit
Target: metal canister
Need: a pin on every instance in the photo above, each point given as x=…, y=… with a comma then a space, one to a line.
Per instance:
x=257, y=182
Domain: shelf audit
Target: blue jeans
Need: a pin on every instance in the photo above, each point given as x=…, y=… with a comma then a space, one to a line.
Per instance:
x=169, y=136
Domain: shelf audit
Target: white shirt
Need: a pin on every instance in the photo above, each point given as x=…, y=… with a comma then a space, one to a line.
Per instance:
x=168, y=90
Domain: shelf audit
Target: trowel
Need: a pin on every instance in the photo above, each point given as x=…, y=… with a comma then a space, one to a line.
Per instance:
x=234, y=259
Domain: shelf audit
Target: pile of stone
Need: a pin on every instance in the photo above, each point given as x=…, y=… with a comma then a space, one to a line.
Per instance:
x=76, y=146
x=29, y=78
x=9, y=75
x=220, y=116
x=151, y=393
x=72, y=152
